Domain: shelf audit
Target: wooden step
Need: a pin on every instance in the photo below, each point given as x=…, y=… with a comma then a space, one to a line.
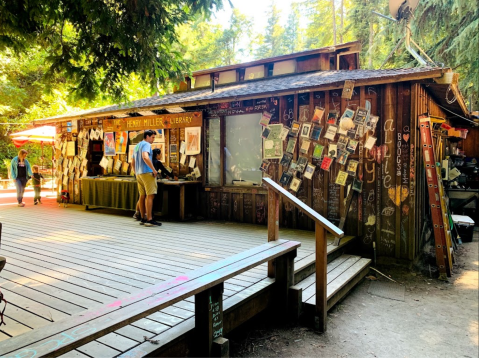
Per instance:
x=306, y=266
x=343, y=274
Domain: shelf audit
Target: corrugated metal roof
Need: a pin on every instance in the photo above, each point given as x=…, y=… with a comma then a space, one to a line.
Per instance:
x=258, y=88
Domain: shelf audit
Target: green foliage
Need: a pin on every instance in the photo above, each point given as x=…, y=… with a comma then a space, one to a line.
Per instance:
x=446, y=29
x=454, y=40
x=97, y=45
x=272, y=42
x=205, y=45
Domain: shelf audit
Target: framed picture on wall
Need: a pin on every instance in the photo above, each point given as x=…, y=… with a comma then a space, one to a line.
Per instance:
x=193, y=140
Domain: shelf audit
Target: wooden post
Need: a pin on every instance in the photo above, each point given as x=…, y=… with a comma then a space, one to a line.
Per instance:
x=320, y=315
x=221, y=348
x=182, y=202
x=208, y=319
x=273, y=223
x=284, y=279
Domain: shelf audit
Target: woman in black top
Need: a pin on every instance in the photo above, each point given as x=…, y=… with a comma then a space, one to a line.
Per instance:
x=160, y=168
x=21, y=172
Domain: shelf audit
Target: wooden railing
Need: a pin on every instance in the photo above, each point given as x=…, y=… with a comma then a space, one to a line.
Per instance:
x=321, y=225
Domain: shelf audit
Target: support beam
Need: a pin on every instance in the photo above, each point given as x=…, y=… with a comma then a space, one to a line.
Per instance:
x=321, y=311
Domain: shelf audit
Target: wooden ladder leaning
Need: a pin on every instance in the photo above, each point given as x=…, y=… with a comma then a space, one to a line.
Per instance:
x=321, y=225
x=442, y=233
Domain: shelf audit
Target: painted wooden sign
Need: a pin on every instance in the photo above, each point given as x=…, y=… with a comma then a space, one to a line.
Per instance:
x=164, y=121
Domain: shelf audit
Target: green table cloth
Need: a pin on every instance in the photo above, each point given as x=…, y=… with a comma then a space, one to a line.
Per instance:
x=118, y=194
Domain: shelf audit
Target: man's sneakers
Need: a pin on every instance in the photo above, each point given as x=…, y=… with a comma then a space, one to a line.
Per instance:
x=21, y=205
x=35, y=203
x=151, y=223
x=146, y=222
x=137, y=216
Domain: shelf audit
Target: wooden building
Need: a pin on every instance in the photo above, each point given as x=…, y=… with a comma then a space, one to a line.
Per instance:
x=228, y=104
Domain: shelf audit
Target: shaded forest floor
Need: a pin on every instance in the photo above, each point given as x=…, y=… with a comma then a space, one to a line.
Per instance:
x=436, y=319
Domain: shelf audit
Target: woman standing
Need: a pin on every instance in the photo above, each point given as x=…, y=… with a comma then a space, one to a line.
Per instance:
x=21, y=172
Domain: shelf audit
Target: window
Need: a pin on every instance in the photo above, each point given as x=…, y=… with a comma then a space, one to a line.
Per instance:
x=213, y=169
x=227, y=77
x=254, y=72
x=202, y=81
x=243, y=148
x=284, y=67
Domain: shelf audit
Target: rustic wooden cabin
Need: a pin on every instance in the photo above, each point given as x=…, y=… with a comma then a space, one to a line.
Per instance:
x=376, y=192
x=228, y=103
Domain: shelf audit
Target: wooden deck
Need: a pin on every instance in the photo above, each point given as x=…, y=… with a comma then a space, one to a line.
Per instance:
x=61, y=261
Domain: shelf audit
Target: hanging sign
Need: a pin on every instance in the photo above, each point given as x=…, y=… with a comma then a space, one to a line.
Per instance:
x=164, y=121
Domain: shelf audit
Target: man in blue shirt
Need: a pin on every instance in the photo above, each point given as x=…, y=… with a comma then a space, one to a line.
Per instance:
x=146, y=176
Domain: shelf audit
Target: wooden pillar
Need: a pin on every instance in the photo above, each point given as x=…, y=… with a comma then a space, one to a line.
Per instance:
x=321, y=310
x=284, y=280
x=273, y=223
x=208, y=319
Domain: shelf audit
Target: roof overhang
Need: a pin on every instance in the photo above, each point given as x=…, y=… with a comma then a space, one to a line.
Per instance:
x=268, y=87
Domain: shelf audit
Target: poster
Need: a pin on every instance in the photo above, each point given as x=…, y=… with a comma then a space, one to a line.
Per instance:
x=305, y=146
x=331, y=132
x=272, y=148
x=352, y=167
x=275, y=131
x=264, y=166
x=265, y=118
x=121, y=142
x=291, y=145
x=308, y=174
x=326, y=164
x=316, y=132
x=370, y=142
x=193, y=140
x=306, y=130
x=160, y=136
x=295, y=184
x=318, y=151
x=341, y=178
x=109, y=144
x=131, y=150
x=70, y=149
x=318, y=114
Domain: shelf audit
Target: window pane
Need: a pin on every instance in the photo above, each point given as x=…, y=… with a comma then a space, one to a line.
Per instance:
x=243, y=151
x=213, y=147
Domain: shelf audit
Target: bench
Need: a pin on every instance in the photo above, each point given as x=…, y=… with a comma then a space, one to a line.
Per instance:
x=205, y=283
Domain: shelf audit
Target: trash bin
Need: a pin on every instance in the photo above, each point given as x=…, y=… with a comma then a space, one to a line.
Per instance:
x=465, y=227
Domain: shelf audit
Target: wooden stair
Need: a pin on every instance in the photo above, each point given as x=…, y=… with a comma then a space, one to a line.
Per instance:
x=306, y=265
x=344, y=273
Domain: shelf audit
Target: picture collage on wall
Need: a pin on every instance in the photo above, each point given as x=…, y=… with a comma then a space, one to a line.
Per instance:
x=344, y=132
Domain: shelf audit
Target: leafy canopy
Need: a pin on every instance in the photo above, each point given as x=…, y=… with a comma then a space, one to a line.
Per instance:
x=98, y=44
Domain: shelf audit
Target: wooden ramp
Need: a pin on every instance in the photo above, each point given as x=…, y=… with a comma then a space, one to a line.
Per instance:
x=61, y=261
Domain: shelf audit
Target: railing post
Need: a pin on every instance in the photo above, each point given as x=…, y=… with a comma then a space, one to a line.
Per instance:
x=273, y=223
x=321, y=309
x=209, y=322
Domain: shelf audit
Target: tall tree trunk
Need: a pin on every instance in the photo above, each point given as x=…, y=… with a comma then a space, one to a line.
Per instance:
x=341, y=28
x=334, y=22
x=371, y=33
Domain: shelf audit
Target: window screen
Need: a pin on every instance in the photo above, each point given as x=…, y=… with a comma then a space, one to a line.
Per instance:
x=213, y=170
x=243, y=149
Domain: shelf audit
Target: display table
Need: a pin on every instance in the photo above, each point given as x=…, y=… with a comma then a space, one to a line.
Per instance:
x=123, y=193
x=182, y=186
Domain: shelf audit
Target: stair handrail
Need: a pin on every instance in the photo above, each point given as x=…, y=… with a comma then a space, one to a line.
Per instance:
x=313, y=214
x=321, y=225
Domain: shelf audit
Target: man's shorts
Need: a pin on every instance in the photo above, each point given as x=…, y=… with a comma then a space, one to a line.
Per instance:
x=146, y=184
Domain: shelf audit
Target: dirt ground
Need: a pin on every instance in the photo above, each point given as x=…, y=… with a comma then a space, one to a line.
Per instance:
x=436, y=319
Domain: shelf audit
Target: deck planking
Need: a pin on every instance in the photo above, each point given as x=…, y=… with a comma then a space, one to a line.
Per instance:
x=63, y=261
